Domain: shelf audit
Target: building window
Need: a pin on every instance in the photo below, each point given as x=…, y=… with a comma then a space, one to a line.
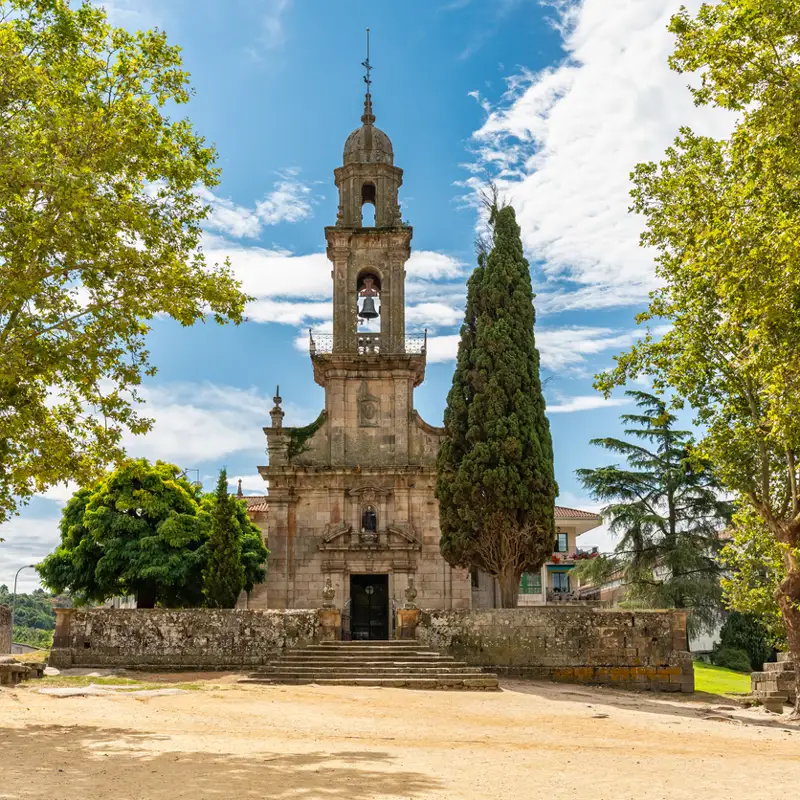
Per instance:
x=561, y=542
x=531, y=583
x=560, y=581
x=369, y=519
x=475, y=580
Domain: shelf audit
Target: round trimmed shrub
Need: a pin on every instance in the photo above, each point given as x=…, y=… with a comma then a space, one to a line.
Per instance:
x=731, y=658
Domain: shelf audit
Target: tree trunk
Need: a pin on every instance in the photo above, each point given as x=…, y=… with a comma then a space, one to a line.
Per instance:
x=509, y=589
x=788, y=596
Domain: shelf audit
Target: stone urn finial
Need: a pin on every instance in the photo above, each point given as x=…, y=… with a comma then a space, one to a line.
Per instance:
x=328, y=593
x=411, y=594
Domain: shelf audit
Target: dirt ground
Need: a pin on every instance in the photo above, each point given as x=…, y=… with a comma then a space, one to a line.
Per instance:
x=227, y=741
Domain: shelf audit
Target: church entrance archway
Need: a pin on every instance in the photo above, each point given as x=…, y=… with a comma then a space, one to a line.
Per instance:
x=369, y=607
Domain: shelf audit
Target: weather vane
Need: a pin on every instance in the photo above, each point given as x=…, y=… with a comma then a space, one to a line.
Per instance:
x=367, y=66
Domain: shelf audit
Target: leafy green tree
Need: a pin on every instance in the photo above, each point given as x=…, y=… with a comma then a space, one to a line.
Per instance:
x=36, y=637
x=223, y=577
x=746, y=632
x=33, y=610
x=754, y=568
x=495, y=483
x=723, y=219
x=142, y=530
x=665, y=506
x=100, y=226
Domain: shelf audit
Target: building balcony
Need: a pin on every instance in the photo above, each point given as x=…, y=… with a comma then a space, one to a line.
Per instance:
x=367, y=344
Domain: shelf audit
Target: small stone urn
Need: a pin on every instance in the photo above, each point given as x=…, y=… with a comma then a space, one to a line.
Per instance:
x=328, y=593
x=411, y=594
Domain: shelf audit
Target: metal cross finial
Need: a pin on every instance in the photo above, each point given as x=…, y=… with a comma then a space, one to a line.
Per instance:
x=367, y=66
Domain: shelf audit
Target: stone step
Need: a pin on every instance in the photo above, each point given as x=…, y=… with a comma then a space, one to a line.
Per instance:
x=370, y=643
x=417, y=658
x=367, y=647
x=784, y=657
x=485, y=681
x=780, y=666
x=386, y=662
x=317, y=669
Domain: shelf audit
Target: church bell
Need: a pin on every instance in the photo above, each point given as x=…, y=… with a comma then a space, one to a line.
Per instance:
x=368, y=309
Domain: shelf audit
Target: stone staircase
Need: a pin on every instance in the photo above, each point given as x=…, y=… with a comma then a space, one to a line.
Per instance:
x=776, y=684
x=402, y=664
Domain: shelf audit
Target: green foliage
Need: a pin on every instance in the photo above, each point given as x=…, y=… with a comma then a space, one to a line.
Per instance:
x=101, y=204
x=722, y=217
x=299, y=436
x=731, y=658
x=663, y=504
x=142, y=530
x=30, y=610
x=495, y=482
x=223, y=577
x=746, y=632
x=754, y=568
x=35, y=637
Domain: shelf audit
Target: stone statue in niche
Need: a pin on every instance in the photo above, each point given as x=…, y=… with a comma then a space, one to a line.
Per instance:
x=369, y=407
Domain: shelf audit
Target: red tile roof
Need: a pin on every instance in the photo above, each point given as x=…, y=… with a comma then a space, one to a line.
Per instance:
x=562, y=512
x=257, y=502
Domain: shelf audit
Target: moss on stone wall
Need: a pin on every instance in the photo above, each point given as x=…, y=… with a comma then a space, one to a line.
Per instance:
x=299, y=436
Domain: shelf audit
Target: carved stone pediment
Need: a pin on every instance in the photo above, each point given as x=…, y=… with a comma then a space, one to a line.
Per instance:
x=405, y=532
x=369, y=494
x=333, y=532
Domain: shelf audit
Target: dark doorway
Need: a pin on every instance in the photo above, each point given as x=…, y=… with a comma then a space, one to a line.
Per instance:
x=369, y=606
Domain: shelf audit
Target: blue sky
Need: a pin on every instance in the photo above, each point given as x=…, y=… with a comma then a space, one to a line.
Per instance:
x=557, y=101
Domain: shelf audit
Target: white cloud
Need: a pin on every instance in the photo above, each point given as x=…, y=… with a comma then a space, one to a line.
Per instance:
x=564, y=141
x=28, y=541
x=199, y=422
x=289, y=313
x=559, y=348
x=60, y=492
x=251, y=484
x=433, y=314
x=430, y=265
x=272, y=33
x=289, y=201
x=129, y=14
x=274, y=273
x=584, y=403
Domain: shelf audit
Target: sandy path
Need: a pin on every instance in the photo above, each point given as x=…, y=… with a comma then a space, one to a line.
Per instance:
x=529, y=741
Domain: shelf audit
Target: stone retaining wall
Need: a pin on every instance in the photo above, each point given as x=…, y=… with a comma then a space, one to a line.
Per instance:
x=178, y=638
x=629, y=649
x=5, y=630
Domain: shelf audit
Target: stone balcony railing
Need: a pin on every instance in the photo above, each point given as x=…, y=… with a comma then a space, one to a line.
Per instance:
x=367, y=343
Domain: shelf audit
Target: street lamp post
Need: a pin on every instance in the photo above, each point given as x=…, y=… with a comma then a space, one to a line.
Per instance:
x=14, y=596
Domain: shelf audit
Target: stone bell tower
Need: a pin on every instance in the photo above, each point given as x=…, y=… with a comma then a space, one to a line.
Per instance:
x=366, y=255
x=351, y=496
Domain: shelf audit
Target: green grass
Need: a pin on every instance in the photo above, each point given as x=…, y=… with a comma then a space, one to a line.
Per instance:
x=719, y=680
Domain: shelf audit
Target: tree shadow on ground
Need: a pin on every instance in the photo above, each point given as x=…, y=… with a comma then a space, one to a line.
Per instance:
x=697, y=706
x=87, y=763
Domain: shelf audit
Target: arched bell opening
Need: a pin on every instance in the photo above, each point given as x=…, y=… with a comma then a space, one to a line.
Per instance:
x=368, y=205
x=368, y=289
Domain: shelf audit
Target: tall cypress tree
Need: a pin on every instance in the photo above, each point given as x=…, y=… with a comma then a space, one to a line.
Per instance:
x=495, y=483
x=224, y=577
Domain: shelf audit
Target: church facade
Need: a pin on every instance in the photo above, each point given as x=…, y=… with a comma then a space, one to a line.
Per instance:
x=351, y=496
